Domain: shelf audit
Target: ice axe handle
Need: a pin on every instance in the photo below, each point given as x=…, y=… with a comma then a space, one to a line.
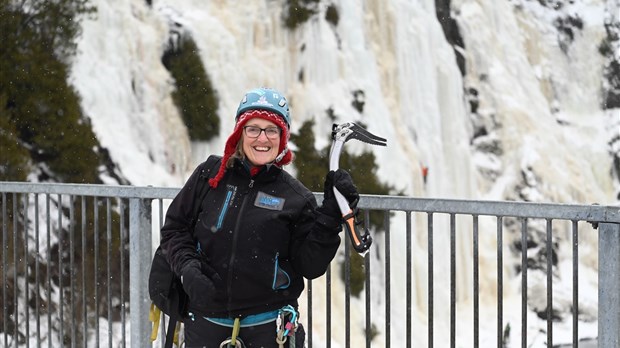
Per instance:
x=361, y=242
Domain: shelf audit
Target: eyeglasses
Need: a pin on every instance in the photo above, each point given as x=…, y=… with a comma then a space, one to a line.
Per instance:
x=254, y=132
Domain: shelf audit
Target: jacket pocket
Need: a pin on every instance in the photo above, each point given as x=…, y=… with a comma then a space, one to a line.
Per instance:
x=224, y=209
x=281, y=279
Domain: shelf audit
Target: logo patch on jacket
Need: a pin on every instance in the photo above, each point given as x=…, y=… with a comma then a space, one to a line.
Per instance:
x=266, y=201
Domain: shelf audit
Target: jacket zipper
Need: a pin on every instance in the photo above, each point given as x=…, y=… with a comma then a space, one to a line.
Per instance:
x=231, y=262
x=275, y=271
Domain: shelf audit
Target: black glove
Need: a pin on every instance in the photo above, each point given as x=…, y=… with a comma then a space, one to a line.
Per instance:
x=343, y=182
x=196, y=284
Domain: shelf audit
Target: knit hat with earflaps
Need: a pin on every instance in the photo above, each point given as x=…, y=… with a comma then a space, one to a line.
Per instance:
x=285, y=156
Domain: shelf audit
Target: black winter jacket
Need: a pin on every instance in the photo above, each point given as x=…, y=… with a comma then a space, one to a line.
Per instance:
x=261, y=234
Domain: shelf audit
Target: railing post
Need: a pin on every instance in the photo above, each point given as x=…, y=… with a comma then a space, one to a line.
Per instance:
x=139, y=264
x=608, y=285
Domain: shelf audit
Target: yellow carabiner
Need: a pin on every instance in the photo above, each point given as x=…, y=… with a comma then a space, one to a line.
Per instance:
x=177, y=328
x=154, y=317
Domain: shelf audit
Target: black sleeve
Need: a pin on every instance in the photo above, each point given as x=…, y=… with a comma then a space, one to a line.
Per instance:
x=177, y=241
x=315, y=240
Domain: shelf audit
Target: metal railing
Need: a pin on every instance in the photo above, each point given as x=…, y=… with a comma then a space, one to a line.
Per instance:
x=75, y=256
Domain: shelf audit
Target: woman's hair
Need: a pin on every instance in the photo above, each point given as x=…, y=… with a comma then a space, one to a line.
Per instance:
x=237, y=154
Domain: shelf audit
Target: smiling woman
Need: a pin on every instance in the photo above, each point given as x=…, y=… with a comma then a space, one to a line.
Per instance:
x=261, y=233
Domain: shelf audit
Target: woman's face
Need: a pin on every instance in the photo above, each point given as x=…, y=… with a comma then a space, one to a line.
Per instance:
x=261, y=150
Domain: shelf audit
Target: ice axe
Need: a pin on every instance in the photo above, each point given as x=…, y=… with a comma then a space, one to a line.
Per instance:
x=341, y=134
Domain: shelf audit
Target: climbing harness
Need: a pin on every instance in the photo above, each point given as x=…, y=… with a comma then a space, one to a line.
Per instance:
x=286, y=326
x=250, y=320
x=341, y=134
x=234, y=341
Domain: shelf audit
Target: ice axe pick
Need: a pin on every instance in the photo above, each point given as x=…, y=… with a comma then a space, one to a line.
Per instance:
x=341, y=134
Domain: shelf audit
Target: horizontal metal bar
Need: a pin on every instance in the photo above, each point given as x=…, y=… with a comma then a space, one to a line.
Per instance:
x=593, y=213
x=121, y=191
